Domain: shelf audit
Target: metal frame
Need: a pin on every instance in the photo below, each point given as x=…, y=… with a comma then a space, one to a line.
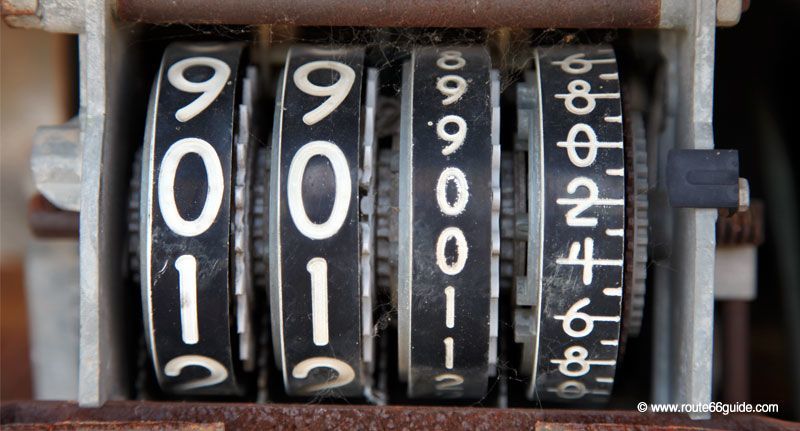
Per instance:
x=201, y=416
x=103, y=54
x=683, y=277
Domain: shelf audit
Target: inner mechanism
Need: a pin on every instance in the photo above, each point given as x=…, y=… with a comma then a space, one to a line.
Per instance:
x=394, y=225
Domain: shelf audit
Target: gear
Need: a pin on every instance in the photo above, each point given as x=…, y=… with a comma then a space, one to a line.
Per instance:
x=243, y=286
x=516, y=223
x=386, y=223
x=134, y=266
x=742, y=228
x=509, y=267
x=134, y=197
x=260, y=227
x=368, y=222
x=636, y=208
x=494, y=307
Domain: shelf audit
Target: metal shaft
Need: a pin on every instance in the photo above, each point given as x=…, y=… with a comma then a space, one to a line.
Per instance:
x=419, y=13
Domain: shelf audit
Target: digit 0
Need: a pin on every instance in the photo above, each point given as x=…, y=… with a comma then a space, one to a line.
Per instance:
x=294, y=191
x=457, y=177
x=166, y=186
x=451, y=233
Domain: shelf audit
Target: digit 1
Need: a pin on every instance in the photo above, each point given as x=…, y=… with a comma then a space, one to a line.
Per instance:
x=187, y=271
x=318, y=268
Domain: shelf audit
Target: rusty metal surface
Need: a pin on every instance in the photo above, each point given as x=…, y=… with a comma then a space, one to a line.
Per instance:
x=735, y=351
x=742, y=228
x=417, y=13
x=549, y=426
x=18, y=7
x=16, y=13
x=47, y=221
x=356, y=417
x=122, y=425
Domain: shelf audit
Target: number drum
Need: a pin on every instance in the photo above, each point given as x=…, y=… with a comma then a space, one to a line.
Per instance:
x=317, y=292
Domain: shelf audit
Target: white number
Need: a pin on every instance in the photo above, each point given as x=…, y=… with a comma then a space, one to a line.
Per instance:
x=166, y=186
x=318, y=269
x=573, y=355
x=210, y=87
x=450, y=306
x=577, y=64
x=580, y=89
x=217, y=372
x=461, y=250
x=591, y=145
x=448, y=384
x=187, y=281
x=456, y=139
x=456, y=176
x=452, y=86
x=448, y=352
x=588, y=261
x=450, y=60
x=577, y=355
x=345, y=373
x=582, y=204
x=337, y=91
x=341, y=200
x=571, y=389
x=574, y=314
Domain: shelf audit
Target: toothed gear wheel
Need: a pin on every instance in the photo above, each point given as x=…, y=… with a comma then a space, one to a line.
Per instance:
x=386, y=125
x=508, y=217
x=260, y=227
x=385, y=223
x=368, y=224
x=637, y=206
x=386, y=206
x=134, y=197
x=242, y=221
x=259, y=244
